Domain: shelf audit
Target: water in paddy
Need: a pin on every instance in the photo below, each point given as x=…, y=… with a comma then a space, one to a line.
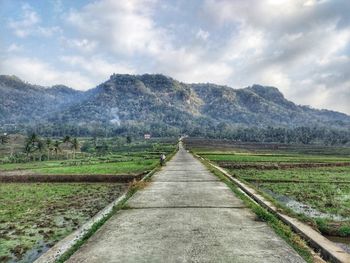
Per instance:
x=298, y=207
x=302, y=208
x=343, y=242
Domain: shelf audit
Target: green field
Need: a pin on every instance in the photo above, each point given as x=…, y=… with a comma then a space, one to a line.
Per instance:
x=318, y=195
x=129, y=167
x=35, y=216
x=324, y=174
x=133, y=158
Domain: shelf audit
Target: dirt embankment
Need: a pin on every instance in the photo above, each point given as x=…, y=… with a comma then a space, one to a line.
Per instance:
x=63, y=178
x=276, y=166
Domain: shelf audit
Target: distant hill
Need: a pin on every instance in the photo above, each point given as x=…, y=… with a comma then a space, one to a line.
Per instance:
x=21, y=102
x=157, y=100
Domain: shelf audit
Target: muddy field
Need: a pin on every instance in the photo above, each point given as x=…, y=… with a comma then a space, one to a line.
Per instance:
x=34, y=216
x=276, y=166
x=20, y=177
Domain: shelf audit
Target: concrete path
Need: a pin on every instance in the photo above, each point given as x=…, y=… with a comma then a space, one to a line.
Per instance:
x=185, y=215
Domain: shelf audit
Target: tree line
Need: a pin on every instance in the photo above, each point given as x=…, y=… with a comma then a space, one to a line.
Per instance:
x=36, y=147
x=302, y=134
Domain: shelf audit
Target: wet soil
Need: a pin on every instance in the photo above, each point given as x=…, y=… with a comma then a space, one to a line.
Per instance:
x=34, y=235
x=25, y=177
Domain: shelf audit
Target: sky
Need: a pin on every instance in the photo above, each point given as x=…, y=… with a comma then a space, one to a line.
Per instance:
x=302, y=47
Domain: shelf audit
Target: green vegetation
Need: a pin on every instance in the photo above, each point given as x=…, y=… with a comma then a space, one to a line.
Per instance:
x=328, y=174
x=35, y=216
x=97, y=156
x=126, y=167
x=317, y=195
x=328, y=198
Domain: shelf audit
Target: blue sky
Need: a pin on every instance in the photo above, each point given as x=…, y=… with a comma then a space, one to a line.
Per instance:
x=301, y=47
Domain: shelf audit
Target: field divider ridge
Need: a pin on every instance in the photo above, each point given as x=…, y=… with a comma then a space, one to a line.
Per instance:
x=327, y=248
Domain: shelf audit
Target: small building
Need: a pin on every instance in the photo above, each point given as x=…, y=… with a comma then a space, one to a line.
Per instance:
x=147, y=136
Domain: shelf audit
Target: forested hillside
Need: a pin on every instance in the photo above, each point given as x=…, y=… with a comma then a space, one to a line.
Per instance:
x=163, y=106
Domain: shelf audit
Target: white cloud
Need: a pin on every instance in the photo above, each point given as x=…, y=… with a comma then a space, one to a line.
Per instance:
x=23, y=27
x=83, y=45
x=123, y=27
x=294, y=45
x=97, y=68
x=30, y=24
x=14, y=48
x=38, y=72
x=202, y=34
x=127, y=29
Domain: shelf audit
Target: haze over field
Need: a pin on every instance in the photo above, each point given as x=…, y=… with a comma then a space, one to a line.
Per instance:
x=301, y=47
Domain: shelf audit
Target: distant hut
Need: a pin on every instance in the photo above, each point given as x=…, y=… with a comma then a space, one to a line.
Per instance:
x=147, y=136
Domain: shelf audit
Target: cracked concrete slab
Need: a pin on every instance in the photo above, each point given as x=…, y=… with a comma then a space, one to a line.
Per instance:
x=185, y=215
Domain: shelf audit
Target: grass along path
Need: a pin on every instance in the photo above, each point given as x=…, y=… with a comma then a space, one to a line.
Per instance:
x=301, y=174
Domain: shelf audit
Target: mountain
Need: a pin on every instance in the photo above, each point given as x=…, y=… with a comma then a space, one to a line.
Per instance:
x=21, y=102
x=157, y=100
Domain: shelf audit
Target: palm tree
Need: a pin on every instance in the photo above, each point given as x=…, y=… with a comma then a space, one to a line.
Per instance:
x=66, y=138
x=40, y=147
x=4, y=139
x=75, y=146
x=27, y=149
x=31, y=144
x=48, y=144
x=56, y=147
x=33, y=138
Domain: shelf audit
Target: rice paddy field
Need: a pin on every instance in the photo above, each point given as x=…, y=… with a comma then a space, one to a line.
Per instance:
x=35, y=215
x=307, y=181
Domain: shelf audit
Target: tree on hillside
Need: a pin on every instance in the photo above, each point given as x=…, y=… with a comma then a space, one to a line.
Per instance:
x=128, y=139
